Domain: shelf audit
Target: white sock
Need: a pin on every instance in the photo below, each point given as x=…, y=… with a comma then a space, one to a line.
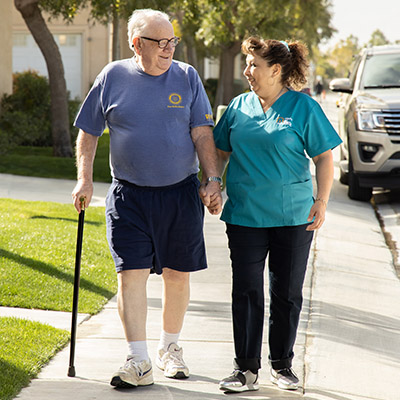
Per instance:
x=166, y=339
x=138, y=350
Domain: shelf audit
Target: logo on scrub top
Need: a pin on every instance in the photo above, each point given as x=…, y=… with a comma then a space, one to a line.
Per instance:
x=175, y=99
x=284, y=121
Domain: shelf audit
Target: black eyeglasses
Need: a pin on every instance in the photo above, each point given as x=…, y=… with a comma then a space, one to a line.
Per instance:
x=163, y=43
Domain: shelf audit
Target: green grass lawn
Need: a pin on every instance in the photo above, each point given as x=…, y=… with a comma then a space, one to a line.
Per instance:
x=39, y=161
x=37, y=250
x=37, y=263
x=25, y=346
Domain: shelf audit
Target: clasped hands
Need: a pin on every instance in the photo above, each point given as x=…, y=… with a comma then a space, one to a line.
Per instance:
x=210, y=195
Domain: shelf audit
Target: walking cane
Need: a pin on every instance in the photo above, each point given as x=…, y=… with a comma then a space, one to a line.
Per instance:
x=71, y=369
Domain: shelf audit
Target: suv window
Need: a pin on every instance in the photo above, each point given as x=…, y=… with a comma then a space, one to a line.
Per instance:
x=381, y=70
x=354, y=68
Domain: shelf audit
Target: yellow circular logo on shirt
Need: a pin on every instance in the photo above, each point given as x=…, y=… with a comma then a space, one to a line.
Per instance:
x=175, y=98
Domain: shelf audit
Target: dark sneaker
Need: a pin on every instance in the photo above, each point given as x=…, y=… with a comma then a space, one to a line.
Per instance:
x=133, y=373
x=285, y=378
x=239, y=381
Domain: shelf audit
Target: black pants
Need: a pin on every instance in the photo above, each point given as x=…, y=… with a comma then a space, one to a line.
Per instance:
x=288, y=249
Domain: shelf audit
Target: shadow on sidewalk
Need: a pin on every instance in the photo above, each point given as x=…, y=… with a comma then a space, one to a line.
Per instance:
x=359, y=329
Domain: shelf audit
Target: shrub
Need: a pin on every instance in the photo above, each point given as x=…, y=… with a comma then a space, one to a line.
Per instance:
x=4, y=142
x=25, y=115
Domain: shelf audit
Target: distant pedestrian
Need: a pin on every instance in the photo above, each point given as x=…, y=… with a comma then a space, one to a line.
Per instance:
x=160, y=120
x=319, y=90
x=268, y=136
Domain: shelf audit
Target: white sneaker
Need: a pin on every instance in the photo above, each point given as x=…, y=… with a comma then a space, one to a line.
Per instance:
x=133, y=373
x=171, y=362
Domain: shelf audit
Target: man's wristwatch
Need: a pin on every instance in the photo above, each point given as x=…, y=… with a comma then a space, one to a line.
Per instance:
x=215, y=179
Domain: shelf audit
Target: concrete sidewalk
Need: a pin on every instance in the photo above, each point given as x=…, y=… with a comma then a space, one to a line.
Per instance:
x=44, y=189
x=348, y=345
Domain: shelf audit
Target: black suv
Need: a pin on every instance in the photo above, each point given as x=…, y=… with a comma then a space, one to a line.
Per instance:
x=369, y=122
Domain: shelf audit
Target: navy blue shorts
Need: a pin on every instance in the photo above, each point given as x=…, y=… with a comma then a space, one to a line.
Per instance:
x=156, y=227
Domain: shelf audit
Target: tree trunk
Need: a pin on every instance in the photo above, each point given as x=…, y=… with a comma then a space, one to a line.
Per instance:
x=116, y=48
x=58, y=89
x=191, y=53
x=226, y=74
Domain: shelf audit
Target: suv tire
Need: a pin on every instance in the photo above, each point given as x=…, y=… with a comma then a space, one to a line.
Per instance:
x=344, y=176
x=355, y=191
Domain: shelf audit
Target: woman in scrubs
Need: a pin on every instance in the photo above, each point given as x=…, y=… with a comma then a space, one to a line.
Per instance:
x=269, y=135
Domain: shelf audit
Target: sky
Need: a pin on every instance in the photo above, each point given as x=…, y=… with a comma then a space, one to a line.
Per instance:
x=362, y=17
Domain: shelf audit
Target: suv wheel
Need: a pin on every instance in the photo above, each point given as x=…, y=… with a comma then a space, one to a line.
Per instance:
x=355, y=191
x=344, y=178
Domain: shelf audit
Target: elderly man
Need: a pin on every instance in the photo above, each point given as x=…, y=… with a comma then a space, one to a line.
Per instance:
x=159, y=120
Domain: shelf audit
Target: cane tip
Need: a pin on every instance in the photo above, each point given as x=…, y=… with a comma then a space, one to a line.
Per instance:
x=71, y=371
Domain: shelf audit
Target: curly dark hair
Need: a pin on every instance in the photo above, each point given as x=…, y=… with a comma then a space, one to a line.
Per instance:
x=292, y=57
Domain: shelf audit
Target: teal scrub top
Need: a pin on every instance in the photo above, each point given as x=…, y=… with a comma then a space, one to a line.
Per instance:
x=269, y=181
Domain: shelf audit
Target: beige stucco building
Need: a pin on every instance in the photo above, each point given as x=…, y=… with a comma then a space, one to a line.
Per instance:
x=6, y=46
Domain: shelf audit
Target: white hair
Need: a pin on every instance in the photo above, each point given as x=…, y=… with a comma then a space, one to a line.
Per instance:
x=139, y=20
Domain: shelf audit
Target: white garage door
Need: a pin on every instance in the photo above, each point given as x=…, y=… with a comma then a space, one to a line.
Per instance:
x=27, y=55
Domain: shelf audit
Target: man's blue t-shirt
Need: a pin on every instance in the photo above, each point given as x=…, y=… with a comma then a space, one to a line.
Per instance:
x=149, y=118
x=268, y=179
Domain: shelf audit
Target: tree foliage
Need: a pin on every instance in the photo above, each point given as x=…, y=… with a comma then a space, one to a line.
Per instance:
x=102, y=10
x=221, y=25
x=343, y=54
x=67, y=9
x=378, y=38
x=226, y=21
